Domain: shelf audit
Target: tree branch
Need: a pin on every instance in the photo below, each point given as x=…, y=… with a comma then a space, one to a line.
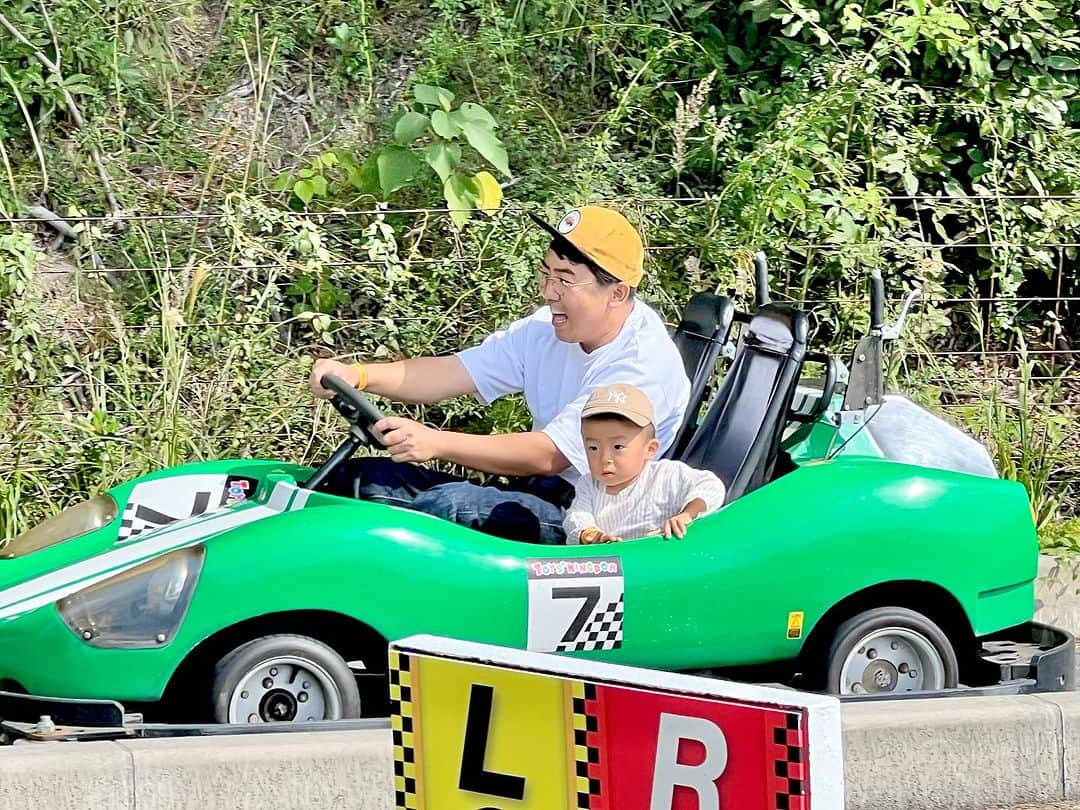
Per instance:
x=73, y=108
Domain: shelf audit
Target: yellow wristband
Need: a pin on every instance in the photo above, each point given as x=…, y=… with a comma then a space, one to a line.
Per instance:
x=361, y=383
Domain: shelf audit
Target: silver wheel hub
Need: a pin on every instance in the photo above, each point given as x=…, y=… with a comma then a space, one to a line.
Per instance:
x=892, y=659
x=285, y=689
x=880, y=676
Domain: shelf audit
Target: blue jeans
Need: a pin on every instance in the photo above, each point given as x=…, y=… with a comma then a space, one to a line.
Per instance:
x=528, y=509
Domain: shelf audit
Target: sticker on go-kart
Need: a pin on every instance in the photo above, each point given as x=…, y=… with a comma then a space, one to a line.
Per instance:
x=237, y=490
x=575, y=604
x=157, y=503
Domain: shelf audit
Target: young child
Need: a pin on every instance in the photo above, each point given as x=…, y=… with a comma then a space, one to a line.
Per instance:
x=628, y=494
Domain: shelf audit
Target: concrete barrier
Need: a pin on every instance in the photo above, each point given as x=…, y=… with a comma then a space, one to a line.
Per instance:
x=961, y=753
x=328, y=770
x=953, y=752
x=70, y=776
x=1068, y=705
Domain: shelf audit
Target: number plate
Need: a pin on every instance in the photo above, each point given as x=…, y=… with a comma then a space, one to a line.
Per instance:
x=575, y=605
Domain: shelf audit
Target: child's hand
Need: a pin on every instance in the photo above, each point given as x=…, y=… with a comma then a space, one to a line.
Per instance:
x=591, y=536
x=676, y=525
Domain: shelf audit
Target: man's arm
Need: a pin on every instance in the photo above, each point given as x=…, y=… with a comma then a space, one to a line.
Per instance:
x=422, y=380
x=515, y=454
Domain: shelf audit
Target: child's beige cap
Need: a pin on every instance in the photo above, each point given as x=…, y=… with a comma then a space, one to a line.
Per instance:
x=620, y=400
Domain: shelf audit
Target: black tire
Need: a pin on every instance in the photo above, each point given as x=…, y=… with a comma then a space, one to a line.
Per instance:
x=235, y=665
x=849, y=635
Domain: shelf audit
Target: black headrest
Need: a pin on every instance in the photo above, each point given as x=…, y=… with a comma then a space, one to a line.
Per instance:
x=776, y=328
x=707, y=318
x=700, y=337
x=740, y=435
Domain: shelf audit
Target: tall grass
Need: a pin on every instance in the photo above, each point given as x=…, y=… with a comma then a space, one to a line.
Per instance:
x=1027, y=434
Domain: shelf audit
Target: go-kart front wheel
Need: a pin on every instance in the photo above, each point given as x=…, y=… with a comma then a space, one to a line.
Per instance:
x=890, y=649
x=284, y=679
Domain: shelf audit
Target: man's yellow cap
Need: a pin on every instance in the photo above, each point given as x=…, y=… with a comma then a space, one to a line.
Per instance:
x=606, y=237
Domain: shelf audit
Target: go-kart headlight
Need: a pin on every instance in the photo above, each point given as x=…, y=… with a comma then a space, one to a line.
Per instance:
x=141, y=607
x=69, y=524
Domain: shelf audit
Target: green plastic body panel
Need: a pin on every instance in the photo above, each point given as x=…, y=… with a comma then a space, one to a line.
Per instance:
x=719, y=597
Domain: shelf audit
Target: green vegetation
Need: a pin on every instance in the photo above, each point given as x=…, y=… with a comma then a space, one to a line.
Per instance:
x=938, y=141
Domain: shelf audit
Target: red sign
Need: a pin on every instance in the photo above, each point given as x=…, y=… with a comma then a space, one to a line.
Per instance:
x=688, y=753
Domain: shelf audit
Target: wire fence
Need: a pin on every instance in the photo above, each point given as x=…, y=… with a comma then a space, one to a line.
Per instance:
x=134, y=216
x=966, y=373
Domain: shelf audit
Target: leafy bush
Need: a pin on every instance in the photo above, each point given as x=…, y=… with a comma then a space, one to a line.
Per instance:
x=430, y=139
x=933, y=139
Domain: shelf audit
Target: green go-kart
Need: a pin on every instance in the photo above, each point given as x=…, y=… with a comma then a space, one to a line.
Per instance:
x=867, y=548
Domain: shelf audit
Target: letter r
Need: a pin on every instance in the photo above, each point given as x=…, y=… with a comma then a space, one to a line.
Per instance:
x=700, y=778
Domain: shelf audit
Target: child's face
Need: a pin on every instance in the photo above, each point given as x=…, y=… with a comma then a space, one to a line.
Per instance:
x=617, y=450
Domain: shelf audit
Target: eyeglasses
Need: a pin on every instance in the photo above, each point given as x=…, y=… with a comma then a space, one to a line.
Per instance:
x=561, y=284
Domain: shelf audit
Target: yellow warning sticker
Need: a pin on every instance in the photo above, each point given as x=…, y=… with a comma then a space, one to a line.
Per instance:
x=794, y=624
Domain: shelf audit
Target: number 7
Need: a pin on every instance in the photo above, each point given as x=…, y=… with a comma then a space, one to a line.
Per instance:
x=591, y=595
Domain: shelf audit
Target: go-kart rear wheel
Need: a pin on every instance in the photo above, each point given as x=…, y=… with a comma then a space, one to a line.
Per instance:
x=890, y=649
x=284, y=679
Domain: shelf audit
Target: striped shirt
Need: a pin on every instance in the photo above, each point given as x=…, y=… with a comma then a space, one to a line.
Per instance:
x=661, y=491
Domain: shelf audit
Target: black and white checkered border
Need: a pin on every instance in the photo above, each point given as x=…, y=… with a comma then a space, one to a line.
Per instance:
x=603, y=632
x=132, y=526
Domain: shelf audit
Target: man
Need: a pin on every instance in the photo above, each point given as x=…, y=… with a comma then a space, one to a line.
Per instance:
x=593, y=332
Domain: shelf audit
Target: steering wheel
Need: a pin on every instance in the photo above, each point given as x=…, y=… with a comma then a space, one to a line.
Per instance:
x=361, y=416
x=355, y=407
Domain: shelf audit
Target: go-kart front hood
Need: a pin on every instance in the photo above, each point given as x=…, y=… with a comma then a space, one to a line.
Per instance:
x=133, y=538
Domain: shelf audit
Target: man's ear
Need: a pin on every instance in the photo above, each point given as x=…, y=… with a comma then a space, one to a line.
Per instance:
x=652, y=446
x=620, y=293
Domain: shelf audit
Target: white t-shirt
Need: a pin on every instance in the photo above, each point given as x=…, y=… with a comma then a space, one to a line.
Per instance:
x=557, y=377
x=661, y=491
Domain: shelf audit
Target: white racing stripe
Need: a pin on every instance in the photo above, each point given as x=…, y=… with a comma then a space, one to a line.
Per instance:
x=50, y=587
x=300, y=497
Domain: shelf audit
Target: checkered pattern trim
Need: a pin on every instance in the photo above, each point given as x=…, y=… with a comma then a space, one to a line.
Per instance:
x=788, y=783
x=128, y=530
x=587, y=784
x=138, y=519
x=401, y=725
x=602, y=632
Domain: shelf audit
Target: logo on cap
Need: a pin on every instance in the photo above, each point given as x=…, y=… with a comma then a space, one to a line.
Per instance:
x=569, y=222
x=616, y=396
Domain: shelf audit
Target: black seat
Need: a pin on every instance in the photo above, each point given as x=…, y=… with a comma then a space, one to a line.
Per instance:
x=700, y=337
x=740, y=436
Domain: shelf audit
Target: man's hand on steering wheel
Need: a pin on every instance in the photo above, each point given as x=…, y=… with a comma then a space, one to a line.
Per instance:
x=361, y=415
x=404, y=439
x=355, y=407
x=408, y=440
x=348, y=374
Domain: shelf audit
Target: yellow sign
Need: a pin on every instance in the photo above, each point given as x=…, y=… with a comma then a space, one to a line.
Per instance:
x=794, y=624
x=511, y=737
